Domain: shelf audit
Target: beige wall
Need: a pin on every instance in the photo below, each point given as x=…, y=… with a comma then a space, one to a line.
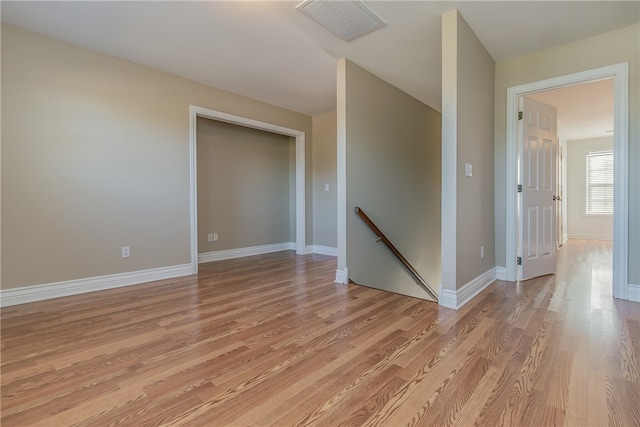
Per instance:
x=580, y=225
x=467, y=94
x=95, y=156
x=392, y=152
x=324, y=172
x=606, y=49
x=244, y=186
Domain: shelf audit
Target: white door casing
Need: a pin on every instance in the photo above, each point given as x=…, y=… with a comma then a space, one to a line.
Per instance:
x=194, y=113
x=560, y=193
x=620, y=74
x=538, y=180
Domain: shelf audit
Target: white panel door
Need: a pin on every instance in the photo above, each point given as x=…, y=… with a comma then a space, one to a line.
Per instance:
x=538, y=196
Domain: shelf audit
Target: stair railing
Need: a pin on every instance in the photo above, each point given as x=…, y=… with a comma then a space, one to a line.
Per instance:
x=396, y=252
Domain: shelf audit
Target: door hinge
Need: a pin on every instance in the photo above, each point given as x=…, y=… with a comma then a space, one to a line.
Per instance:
x=519, y=188
x=520, y=115
x=519, y=260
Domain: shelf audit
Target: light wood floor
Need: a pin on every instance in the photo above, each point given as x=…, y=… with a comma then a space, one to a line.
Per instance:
x=271, y=340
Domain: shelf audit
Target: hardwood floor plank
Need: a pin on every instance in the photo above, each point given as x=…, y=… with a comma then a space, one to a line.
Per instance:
x=297, y=410
x=430, y=376
x=498, y=400
x=598, y=413
x=558, y=296
x=271, y=340
x=553, y=417
x=99, y=407
x=577, y=395
x=41, y=410
x=560, y=379
x=446, y=403
x=335, y=371
x=474, y=406
x=523, y=387
x=623, y=402
x=629, y=359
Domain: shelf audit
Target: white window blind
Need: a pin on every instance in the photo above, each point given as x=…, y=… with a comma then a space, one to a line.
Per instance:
x=600, y=183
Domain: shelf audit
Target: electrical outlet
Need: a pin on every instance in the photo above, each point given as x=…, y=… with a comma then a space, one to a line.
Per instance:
x=481, y=251
x=326, y=187
x=210, y=237
x=125, y=252
x=215, y=237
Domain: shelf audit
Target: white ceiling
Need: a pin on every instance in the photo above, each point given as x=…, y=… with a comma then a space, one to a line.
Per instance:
x=269, y=51
x=584, y=110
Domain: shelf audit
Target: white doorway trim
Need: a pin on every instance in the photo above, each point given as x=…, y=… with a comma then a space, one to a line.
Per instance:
x=194, y=113
x=620, y=74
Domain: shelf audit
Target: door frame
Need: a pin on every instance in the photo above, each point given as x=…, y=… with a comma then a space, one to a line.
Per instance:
x=560, y=192
x=620, y=74
x=194, y=113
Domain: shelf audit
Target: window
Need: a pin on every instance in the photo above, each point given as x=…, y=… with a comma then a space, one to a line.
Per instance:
x=600, y=183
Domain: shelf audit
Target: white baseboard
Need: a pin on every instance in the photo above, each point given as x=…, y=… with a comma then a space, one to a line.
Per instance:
x=456, y=299
x=243, y=252
x=590, y=236
x=342, y=276
x=565, y=237
x=501, y=273
x=633, y=292
x=27, y=294
x=322, y=250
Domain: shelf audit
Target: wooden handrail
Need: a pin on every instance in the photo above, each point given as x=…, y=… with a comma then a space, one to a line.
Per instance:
x=396, y=252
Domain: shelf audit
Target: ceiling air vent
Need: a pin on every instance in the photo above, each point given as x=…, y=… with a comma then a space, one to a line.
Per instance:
x=347, y=19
